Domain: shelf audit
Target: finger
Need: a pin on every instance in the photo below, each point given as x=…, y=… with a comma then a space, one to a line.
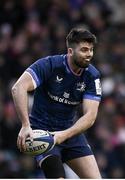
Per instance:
x=23, y=144
x=31, y=137
x=18, y=142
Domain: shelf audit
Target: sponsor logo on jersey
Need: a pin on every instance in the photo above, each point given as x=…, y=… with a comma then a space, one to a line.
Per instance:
x=62, y=100
x=98, y=87
x=81, y=86
x=58, y=79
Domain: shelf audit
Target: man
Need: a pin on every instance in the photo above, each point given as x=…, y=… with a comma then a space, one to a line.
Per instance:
x=61, y=83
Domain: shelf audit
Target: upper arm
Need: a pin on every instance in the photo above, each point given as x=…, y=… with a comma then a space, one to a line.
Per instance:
x=25, y=81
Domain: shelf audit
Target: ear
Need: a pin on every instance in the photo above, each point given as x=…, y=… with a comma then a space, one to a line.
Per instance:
x=70, y=51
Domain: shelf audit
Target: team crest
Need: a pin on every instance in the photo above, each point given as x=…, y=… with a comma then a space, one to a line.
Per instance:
x=81, y=86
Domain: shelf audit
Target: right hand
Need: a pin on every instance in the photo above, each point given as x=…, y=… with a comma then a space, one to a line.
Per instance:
x=23, y=134
x=59, y=136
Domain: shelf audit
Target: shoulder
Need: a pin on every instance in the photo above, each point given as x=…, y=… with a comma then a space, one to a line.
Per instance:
x=93, y=71
x=53, y=61
x=57, y=60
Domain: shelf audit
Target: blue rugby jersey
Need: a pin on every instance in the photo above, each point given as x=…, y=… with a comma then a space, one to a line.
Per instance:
x=58, y=92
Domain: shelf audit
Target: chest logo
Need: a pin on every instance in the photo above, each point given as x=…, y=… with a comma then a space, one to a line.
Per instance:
x=58, y=79
x=81, y=86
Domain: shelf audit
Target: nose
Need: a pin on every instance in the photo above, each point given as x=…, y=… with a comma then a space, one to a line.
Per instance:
x=89, y=54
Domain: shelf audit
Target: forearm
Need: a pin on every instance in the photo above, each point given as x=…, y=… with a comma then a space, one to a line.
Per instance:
x=81, y=125
x=21, y=103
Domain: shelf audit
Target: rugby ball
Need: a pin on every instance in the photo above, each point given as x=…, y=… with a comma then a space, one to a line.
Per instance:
x=42, y=142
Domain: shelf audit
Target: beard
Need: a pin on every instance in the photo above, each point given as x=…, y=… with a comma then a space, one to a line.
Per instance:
x=82, y=64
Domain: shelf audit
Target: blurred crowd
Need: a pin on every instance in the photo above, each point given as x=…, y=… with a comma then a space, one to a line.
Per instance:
x=30, y=29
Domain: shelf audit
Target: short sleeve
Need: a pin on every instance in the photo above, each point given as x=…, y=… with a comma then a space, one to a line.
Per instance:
x=40, y=70
x=93, y=88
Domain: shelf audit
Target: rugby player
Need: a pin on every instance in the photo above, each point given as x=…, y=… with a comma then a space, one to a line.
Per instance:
x=60, y=84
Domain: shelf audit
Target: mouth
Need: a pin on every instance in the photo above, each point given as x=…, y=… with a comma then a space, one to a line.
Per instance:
x=87, y=59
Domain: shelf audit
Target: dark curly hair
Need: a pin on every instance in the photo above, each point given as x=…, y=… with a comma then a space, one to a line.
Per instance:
x=77, y=35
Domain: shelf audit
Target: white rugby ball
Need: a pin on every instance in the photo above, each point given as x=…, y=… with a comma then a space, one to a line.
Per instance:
x=42, y=142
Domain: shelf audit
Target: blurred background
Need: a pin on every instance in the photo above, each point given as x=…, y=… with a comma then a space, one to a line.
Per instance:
x=30, y=29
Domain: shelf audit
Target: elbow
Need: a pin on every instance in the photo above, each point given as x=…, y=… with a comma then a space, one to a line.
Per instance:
x=14, y=90
x=18, y=90
x=17, y=87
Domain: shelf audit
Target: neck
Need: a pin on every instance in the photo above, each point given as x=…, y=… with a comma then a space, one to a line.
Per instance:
x=74, y=68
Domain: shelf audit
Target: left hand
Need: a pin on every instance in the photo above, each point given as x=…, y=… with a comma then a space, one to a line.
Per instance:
x=59, y=136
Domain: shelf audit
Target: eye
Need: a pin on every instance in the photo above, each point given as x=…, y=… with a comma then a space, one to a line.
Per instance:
x=84, y=49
